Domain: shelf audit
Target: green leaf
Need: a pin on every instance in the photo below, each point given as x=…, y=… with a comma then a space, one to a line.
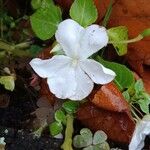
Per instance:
x=8, y=82
x=103, y=146
x=84, y=139
x=87, y=135
x=47, y=3
x=36, y=4
x=124, y=77
x=126, y=95
x=70, y=106
x=79, y=142
x=55, y=128
x=35, y=49
x=44, y=21
x=146, y=32
x=139, y=87
x=117, y=36
x=60, y=116
x=99, y=137
x=91, y=147
x=84, y=12
x=41, y=3
x=144, y=103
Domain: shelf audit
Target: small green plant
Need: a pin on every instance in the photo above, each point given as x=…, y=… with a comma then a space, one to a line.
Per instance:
x=64, y=117
x=124, y=76
x=72, y=48
x=136, y=95
x=68, y=108
x=87, y=141
x=7, y=79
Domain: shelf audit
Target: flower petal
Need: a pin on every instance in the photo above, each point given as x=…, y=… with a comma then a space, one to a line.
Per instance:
x=63, y=84
x=97, y=72
x=49, y=67
x=84, y=85
x=93, y=39
x=141, y=131
x=68, y=36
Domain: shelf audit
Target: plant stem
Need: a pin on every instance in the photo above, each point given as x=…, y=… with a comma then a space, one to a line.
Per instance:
x=137, y=110
x=23, y=45
x=5, y=46
x=108, y=13
x=67, y=145
x=136, y=39
x=136, y=116
x=15, y=49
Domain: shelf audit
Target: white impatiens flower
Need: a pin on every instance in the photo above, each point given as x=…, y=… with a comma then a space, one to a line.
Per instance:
x=142, y=129
x=73, y=75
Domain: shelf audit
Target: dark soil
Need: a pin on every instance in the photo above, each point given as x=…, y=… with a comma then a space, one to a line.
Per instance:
x=23, y=140
x=16, y=119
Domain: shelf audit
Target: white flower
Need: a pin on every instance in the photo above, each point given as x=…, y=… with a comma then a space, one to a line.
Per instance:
x=72, y=75
x=142, y=129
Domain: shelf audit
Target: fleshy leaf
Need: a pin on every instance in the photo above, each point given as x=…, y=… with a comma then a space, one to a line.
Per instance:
x=102, y=146
x=117, y=35
x=91, y=147
x=84, y=12
x=60, y=116
x=99, y=137
x=139, y=87
x=55, y=128
x=70, y=106
x=124, y=77
x=84, y=139
x=79, y=141
x=136, y=94
x=144, y=103
x=8, y=82
x=126, y=95
x=45, y=20
x=87, y=134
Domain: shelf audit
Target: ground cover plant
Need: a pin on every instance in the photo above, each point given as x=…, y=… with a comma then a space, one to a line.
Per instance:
x=76, y=74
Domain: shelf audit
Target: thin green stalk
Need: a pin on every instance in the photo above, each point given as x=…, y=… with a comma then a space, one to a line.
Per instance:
x=15, y=49
x=23, y=45
x=21, y=53
x=134, y=113
x=137, y=110
x=136, y=39
x=5, y=46
x=67, y=145
x=107, y=15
